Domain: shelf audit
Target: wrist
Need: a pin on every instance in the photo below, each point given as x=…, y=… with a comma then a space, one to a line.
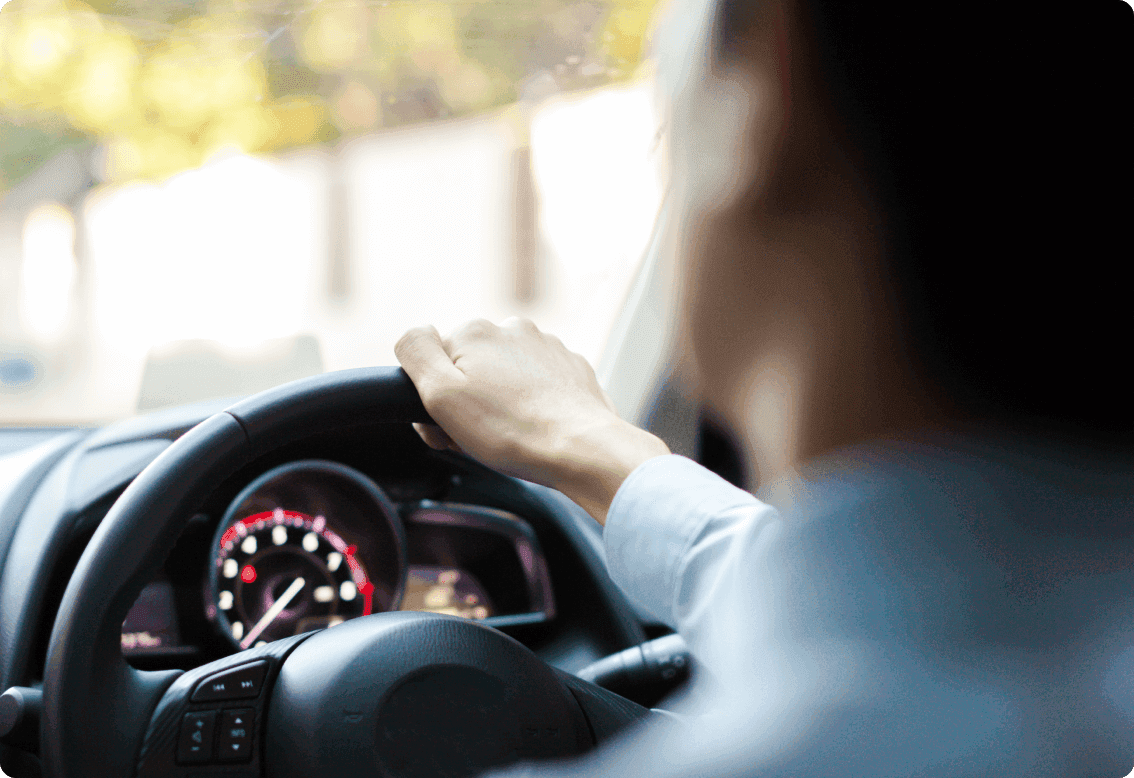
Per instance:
x=592, y=463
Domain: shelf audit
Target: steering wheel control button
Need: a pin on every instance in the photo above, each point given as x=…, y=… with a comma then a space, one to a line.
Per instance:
x=235, y=741
x=196, y=743
x=240, y=683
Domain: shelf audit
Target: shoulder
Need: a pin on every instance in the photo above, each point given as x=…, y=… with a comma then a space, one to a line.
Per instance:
x=952, y=548
x=874, y=531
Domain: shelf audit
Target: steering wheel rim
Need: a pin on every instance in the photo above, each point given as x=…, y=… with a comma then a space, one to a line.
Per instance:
x=95, y=706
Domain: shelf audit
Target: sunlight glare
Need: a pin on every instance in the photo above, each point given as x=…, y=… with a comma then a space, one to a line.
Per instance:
x=603, y=137
x=48, y=269
x=221, y=253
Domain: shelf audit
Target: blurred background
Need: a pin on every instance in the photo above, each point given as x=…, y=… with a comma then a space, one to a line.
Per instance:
x=204, y=199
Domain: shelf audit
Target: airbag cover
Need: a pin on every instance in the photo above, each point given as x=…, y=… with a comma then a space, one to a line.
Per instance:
x=410, y=695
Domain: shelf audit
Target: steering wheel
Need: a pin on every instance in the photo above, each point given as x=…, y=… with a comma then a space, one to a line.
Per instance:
x=391, y=694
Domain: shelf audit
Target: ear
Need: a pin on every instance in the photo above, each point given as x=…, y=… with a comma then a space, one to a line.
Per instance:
x=758, y=41
x=793, y=132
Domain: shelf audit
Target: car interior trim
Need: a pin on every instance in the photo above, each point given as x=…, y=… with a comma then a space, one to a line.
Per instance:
x=523, y=539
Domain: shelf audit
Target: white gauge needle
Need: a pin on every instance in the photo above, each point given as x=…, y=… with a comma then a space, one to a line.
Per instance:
x=272, y=612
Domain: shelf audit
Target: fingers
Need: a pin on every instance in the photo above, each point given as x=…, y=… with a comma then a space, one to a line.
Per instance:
x=499, y=389
x=432, y=435
x=436, y=438
x=476, y=334
x=424, y=358
x=467, y=336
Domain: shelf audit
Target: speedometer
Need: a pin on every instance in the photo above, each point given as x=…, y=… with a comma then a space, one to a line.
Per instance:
x=277, y=565
x=305, y=546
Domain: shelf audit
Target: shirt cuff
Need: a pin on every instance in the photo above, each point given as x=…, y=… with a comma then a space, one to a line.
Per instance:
x=656, y=514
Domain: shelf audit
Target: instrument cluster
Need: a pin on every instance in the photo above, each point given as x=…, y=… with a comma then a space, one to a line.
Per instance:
x=313, y=543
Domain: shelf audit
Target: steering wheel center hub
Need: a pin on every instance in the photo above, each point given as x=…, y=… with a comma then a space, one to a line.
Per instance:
x=416, y=694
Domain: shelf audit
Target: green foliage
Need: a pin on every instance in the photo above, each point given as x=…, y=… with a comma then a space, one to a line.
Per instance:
x=23, y=150
x=166, y=83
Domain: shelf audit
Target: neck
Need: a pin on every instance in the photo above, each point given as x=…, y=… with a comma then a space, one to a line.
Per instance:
x=826, y=369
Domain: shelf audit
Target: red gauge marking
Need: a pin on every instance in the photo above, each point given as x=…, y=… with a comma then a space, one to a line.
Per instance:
x=248, y=573
x=232, y=533
x=356, y=569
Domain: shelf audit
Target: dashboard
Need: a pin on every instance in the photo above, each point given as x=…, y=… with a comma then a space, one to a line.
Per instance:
x=312, y=543
x=305, y=537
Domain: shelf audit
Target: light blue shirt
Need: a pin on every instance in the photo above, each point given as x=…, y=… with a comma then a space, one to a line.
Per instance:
x=943, y=608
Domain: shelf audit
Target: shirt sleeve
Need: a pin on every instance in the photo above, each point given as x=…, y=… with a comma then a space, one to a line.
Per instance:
x=840, y=632
x=675, y=538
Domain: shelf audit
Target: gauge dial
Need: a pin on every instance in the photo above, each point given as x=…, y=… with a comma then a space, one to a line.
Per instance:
x=283, y=572
x=305, y=546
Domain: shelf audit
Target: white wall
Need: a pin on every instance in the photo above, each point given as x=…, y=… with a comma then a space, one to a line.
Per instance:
x=238, y=250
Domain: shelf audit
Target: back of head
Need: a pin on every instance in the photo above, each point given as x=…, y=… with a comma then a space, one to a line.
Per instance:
x=995, y=142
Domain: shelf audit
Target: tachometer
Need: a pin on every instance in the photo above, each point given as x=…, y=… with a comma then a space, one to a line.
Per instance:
x=283, y=572
x=305, y=546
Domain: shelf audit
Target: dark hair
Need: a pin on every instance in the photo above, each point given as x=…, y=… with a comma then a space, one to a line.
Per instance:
x=998, y=147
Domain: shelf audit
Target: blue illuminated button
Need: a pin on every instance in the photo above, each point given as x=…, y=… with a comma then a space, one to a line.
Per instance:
x=234, y=743
x=196, y=741
x=236, y=684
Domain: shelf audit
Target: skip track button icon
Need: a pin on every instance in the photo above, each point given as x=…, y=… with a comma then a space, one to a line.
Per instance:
x=237, y=683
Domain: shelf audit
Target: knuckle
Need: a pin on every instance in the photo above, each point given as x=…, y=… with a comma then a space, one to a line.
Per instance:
x=404, y=341
x=410, y=338
x=477, y=328
x=520, y=323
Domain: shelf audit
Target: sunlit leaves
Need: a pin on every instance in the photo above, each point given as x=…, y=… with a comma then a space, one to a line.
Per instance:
x=416, y=29
x=423, y=40
x=102, y=95
x=625, y=31
x=469, y=86
x=297, y=120
x=38, y=45
x=165, y=84
x=38, y=50
x=334, y=35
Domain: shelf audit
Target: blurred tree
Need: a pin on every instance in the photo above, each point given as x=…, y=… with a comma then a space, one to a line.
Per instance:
x=164, y=84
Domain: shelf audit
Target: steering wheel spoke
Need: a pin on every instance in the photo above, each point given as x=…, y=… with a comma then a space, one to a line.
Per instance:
x=212, y=719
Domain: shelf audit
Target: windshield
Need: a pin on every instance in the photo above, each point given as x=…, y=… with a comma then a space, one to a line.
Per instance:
x=204, y=199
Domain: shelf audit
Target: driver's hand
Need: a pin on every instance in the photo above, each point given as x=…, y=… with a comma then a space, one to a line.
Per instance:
x=517, y=400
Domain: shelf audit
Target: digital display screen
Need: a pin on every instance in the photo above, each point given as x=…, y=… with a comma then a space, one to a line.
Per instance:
x=152, y=622
x=445, y=590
